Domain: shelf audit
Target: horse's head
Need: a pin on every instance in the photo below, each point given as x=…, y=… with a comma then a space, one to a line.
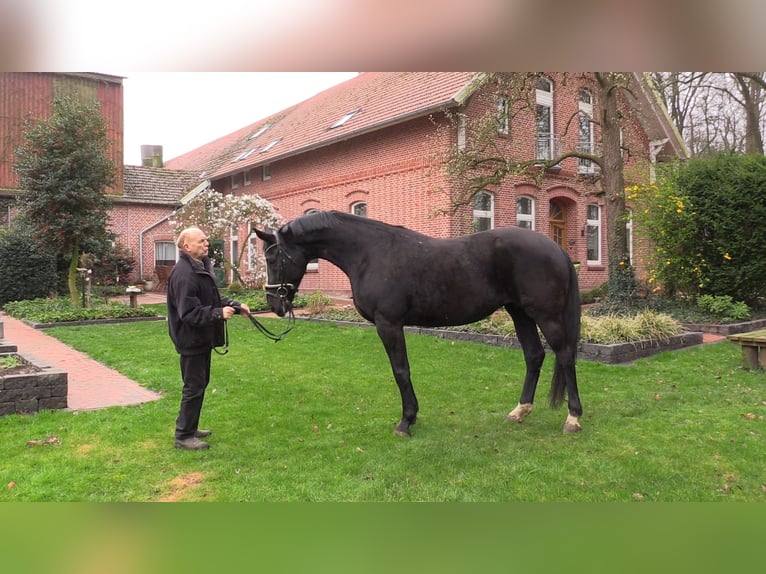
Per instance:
x=285, y=267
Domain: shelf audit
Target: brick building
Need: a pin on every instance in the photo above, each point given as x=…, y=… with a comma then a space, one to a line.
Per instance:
x=143, y=197
x=373, y=145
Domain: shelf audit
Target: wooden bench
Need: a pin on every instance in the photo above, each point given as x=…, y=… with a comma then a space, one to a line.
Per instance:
x=753, y=348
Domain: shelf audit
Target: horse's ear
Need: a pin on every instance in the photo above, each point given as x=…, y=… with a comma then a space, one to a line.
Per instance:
x=265, y=235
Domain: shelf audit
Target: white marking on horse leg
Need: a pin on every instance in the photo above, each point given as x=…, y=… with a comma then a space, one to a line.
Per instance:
x=517, y=415
x=572, y=424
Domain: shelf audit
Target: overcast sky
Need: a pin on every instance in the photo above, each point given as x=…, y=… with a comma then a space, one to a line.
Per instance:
x=184, y=110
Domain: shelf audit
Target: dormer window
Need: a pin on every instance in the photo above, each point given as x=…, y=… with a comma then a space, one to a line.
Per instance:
x=345, y=118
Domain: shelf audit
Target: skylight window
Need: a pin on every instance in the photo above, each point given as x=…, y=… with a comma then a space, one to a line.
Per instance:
x=262, y=129
x=271, y=145
x=244, y=154
x=345, y=118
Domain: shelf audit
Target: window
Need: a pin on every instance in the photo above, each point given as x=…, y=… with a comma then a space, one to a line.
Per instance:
x=461, y=132
x=544, y=118
x=594, y=234
x=262, y=129
x=483, y=211
x=312, y=265
x=252, y=248
x=585, y=143
x=345, y=118
x=359, y=208
x=247, y=179
x=243, y=155
x=235, y=181
x=266, y=173
x=525, y=212
x=270, y=145
x=503, y=116
x=164, y=253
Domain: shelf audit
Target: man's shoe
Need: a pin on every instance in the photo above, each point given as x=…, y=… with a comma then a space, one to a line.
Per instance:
x=192, y=443
x=202, y=433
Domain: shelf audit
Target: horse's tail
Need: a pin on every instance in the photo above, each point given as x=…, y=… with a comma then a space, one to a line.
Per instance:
x=571, y=316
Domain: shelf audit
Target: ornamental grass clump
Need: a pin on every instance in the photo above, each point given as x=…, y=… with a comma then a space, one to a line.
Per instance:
x=611, y=329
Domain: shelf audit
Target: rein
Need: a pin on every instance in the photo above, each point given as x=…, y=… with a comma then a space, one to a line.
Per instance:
x=274, y=336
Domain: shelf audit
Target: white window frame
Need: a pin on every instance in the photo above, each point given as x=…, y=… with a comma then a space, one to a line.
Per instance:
x=481, y=214
x=503, y=116
x=235, y=181
x=593, y=229
x=544, y=143
x=247, y=179
x=525, y=217
x=358, y=206
x=345, y=118
x=586, y=142
x=266, y=172
x=252, y=248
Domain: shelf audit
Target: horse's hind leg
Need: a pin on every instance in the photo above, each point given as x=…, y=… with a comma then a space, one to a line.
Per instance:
x=564, y=376
x=534, y=355
x=393, y=340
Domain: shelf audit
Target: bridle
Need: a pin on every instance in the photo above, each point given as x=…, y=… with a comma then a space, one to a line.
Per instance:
x=281, y=291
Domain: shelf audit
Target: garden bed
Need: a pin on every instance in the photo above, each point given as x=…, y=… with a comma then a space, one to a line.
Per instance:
x=31, y=386
x=609, y=354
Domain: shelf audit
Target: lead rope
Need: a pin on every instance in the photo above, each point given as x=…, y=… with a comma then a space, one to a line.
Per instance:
x=225, y=340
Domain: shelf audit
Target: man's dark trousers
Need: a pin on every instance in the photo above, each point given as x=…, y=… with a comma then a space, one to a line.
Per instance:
x=195, y=372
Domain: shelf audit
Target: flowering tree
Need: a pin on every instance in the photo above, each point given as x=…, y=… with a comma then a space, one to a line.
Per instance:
x=217, y=214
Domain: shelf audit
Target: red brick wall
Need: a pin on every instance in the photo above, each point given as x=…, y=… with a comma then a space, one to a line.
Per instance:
x=129, y=220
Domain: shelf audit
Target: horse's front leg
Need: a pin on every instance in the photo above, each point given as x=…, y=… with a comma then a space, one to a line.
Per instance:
x=392, y=337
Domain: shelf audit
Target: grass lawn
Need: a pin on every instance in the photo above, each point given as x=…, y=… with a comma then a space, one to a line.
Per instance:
x=312, y=418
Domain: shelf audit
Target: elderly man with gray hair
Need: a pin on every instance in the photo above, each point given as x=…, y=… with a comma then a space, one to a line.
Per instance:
x=196, y=316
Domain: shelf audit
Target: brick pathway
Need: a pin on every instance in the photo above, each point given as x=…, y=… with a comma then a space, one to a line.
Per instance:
x=92, y=385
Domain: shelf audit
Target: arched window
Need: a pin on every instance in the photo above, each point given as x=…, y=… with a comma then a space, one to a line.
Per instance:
x=312, y=265
x=359, y=208
x=483, y=211
x=525, y=212
x=594, y=234
x=544, y=118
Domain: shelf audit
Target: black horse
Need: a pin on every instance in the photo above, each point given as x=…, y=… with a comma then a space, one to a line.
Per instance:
x=400, y=277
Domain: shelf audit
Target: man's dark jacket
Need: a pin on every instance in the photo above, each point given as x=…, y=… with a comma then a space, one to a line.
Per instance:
x=195, y=319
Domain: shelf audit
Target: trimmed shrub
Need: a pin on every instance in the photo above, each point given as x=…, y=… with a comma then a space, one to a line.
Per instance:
x=28, y=271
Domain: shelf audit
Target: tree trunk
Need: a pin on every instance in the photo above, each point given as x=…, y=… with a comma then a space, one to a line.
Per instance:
x=621, y=282
x=72, y=275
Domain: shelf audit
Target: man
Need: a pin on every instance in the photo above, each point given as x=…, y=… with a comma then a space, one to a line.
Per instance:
x=196, y=315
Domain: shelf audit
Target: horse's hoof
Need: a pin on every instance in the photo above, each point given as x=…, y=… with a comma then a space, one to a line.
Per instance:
x=572, y=427
x=517, y=414
x=403, y=433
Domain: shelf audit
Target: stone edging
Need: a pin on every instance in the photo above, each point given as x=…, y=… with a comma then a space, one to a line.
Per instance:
x=729, y=329
x=32, y=392
x=91, y=322
x=609, y=354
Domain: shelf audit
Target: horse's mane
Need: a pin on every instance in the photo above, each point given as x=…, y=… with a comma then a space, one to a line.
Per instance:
x=314, y=221
x=320, y=220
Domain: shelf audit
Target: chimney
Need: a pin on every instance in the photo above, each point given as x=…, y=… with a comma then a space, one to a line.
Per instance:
x=151, y=156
